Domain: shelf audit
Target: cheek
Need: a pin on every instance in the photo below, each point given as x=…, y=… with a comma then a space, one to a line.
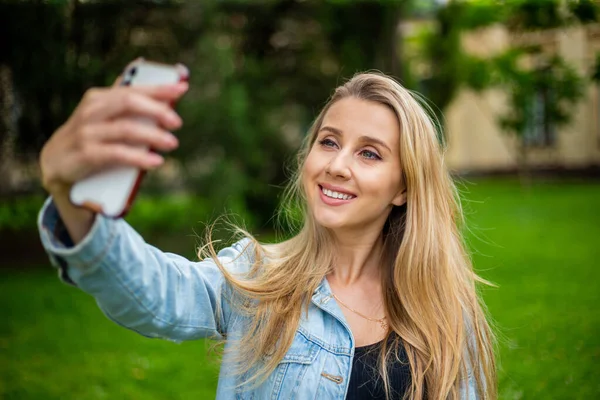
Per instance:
x=306, y=174
x=384, y=183
x=311, y=166
x=304, y=181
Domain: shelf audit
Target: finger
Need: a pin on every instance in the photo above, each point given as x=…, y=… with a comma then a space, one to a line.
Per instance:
x=131, y=131
x=120, y=101
x=113, y=154
x=165, y=93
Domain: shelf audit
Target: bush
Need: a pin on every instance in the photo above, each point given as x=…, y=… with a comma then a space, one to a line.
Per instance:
x=154, y=215
x=149, y=214
x=20, y=213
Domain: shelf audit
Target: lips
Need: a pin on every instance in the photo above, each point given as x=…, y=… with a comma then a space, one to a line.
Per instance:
x=334, y=188
x=333, y=195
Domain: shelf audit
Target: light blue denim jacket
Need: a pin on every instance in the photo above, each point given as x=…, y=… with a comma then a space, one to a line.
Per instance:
x=163, y=295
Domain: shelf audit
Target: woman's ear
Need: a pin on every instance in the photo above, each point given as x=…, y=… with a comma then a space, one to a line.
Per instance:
x=400, y=198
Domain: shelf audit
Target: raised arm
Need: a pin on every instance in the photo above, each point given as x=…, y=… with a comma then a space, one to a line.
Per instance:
x=138, y=286
x=135, y=284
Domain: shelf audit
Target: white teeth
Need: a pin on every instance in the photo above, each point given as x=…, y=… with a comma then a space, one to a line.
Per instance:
x=336, y=195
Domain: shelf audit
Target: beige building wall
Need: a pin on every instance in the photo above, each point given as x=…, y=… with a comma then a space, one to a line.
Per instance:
x=475, y=141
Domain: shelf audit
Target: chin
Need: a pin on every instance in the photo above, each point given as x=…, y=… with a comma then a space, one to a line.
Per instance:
x=330, y=221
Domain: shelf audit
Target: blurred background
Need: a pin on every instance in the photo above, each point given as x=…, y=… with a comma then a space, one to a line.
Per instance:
x=515, y=84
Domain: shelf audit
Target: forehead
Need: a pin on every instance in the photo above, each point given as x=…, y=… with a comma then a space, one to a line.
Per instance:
x=357, y=117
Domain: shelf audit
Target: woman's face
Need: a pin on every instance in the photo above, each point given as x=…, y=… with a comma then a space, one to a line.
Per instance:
x=352, y=175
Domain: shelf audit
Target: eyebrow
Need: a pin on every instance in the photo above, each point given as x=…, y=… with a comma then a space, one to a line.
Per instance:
x=364, y=138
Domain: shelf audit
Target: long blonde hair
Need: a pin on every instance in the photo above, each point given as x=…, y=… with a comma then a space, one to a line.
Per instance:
x=428, y=284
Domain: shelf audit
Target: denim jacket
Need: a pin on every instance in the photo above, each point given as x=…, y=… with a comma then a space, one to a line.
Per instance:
x=163, y=295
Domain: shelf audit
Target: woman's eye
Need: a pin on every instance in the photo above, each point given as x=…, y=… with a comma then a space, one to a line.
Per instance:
x=371, y=155
x=327, y=143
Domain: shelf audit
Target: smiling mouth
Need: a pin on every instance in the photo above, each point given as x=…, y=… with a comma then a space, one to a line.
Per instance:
x=336, y=195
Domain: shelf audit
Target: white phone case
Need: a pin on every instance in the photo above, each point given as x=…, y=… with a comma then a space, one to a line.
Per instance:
x=111, y=192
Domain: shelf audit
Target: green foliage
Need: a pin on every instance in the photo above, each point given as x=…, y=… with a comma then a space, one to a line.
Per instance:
x=549, y=83
x=478, y=14
x=152, y=216
x=557, y=81
x=528, y=15
x=20, y=213
x=478, y=74
x=441, y=49
x=260, y=71
x=536, y=14
x=585, y=11
x=524, y=15
x=59, y=49
x=168, y=214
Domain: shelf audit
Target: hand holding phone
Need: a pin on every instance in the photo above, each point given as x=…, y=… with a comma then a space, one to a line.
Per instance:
x=112, y=191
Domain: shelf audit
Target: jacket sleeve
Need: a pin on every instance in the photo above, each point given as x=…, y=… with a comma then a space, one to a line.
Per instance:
x=136, y=285
x=468, y=388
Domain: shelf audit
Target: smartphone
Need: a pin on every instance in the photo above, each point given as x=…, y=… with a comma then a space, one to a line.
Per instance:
x=111, y=192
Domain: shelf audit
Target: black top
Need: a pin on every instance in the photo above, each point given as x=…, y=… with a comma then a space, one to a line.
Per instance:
x=365, y=381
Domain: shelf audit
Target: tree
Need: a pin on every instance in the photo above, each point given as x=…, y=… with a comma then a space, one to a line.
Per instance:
x=56, y=50
x=540, y=99
x=259, y=73
x=539, y=95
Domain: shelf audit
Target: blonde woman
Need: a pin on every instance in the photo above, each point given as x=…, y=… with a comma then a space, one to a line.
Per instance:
x=374, y=297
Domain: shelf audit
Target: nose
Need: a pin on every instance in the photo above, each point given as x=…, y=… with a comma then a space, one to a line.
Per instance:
x=339, y=165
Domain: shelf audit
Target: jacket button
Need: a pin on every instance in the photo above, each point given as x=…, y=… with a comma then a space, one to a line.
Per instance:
x=334, y=378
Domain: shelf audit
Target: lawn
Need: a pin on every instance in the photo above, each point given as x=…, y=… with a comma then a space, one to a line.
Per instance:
x=539, y=246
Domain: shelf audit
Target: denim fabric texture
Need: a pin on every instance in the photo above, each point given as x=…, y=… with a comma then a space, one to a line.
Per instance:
x=163, y=295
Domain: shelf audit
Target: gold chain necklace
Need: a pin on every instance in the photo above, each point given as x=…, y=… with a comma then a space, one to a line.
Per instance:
x=381, y=321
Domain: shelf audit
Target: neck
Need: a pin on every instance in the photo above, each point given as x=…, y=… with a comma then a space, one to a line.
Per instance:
x=358, y=256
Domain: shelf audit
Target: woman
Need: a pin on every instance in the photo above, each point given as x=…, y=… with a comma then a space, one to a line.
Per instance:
x=374, y=297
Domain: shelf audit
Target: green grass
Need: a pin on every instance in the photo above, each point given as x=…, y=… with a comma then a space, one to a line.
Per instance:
x=539, y=246
x=56, y=344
